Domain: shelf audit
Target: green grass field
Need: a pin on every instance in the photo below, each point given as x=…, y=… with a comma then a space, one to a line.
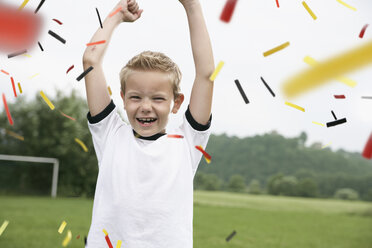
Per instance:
x=260, y=222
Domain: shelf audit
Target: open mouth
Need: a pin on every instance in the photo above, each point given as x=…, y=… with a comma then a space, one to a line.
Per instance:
x=146, y=121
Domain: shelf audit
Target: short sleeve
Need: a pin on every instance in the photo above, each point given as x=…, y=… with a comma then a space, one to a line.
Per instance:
x=103, y=126
x=196, y=134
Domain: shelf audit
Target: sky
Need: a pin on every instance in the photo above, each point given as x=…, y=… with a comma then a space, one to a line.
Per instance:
x=256, y=26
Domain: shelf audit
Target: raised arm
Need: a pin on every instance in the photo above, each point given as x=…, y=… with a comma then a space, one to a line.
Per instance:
x=97, y=94
x=202, y=90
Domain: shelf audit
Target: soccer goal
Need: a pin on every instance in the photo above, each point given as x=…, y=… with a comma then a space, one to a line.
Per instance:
x=53, y=161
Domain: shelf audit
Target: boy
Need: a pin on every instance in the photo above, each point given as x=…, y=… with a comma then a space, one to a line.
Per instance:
x=144, y=192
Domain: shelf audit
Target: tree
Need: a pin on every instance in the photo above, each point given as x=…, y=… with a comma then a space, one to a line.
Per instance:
x=368, y=196
x=254, y=187
x=236, y=183
x=302, y=139
x=288, y=186
x=304, y=173
x=347, y=194
x=274, y=183
x=48, y=133
x=307, y=187
x=204, y=181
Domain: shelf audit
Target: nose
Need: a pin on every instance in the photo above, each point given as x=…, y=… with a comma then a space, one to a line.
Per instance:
x=146, y=105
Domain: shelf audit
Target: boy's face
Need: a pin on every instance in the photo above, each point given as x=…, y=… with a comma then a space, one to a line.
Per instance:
x=148, y=101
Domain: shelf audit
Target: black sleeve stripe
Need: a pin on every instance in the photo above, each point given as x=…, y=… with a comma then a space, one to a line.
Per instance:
x=99, y=117
x=197, y=126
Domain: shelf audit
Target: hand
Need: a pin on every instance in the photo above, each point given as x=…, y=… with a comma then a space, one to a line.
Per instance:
x=130, y=11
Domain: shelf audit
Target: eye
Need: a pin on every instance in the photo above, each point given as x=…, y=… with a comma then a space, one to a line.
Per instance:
x=159, y=99
x=134, y=97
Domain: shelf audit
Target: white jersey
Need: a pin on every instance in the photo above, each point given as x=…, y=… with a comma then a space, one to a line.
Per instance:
x=144, y=191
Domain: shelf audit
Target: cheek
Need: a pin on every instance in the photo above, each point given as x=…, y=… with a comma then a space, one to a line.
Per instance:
x=130, y=108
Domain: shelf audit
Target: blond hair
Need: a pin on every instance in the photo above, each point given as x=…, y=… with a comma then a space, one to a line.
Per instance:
x=152, y=61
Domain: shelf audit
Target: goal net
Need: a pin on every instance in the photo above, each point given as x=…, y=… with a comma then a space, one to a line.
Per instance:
x=7, y=167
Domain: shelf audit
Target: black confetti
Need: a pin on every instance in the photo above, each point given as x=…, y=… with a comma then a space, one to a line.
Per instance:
x=84, y=73
x=57, y=36
x=16, y=54
x=267, y=86
x=40, y=46
x=99, y=18
x=241, y=91
x=334, y=123
x=39, y=6
x=230, y=236
x=334, y=116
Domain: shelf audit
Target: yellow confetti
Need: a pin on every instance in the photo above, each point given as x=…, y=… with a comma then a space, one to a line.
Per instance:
x=118, y=244
x=309, y=10
x=310, y=61
x=62, y=227
x=27, y=55
x=349, y=82
x=295, y=106
x=67, y=239
x=20, y=88
x=207, y=160
x=109, y=90
x=317, y=123
x=320, y=74
x=3, y=226
x=50, y=104
x=34, y=76
x=105, y=232
x=326, y=145
x=216, y=71
x=23, y=4
x=346, y=5
x=81, y=144
x=13, y=134
x=276, y=49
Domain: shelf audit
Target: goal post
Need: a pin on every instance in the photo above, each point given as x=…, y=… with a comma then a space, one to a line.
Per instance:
x=53, y=161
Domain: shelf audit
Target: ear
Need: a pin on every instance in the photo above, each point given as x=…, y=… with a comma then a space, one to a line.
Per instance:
x=122, y=97
x=177, y=103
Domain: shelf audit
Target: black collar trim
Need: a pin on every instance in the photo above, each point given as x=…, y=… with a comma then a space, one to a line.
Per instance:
x=153, y=137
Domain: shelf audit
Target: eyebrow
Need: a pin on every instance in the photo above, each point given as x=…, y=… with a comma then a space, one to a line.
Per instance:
x=159, y=93
x=132, y=92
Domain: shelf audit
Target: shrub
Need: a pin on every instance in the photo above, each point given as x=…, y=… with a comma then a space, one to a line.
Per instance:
x=346, y=194
x=254, y=187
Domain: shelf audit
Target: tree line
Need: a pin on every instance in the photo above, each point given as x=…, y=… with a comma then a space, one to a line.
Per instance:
x=273, y=164
x=262, y=164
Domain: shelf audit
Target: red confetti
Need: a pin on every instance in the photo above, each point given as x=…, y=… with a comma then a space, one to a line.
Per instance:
x=277, y=3
x=69, y=69
x=228, y=10
x=367, y=152
x=7, y=73
x=67, y=115
x=96, y=43
x=206, y=155
x=361, y=34
x=339, y=96
x=116, y=11
x=7, y=110
x=175, y=136
x=78, y=236
x=18, y=29
x=108, y=241
x=57, y=21
x=13, y=85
